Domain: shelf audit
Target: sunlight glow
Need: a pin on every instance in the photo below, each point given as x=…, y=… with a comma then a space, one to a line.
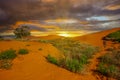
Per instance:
x=65, y=34
x=62, y=21
x=70, y=33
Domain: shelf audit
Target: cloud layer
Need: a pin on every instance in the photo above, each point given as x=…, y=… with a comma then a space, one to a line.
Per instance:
x=13, y=10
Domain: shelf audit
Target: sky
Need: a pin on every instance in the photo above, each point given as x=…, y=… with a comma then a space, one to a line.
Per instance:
x=12, y=11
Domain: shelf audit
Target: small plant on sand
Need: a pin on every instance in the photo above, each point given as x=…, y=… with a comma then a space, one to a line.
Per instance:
x=8, y=54
x=23, y=51
x=52, y=59
x=6, y=58
x=5, y=64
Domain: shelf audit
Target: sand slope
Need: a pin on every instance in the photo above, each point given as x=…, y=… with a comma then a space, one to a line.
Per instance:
x=34, y=66
x=95, y=38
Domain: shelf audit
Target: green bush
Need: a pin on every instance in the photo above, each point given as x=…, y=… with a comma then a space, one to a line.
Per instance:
x=74, y=65
x=106, y=59
x=52, y=59
x=83, y=59
x=23, y=51
x=111, y=70
x=8, y=54
x=6, y=57
x=102, y=68
x=115, y=36
x=110, y=63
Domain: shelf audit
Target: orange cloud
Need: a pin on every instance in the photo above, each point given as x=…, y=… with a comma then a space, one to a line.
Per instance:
x=112, y=7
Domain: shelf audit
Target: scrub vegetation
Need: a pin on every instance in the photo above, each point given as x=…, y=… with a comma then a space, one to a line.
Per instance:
x=23, y=51
x=115, y=36
x=7, y=56
x=76, y=55
x=109, y=64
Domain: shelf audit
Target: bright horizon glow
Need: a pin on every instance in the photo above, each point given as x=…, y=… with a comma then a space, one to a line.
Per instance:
x=64, y=34
x=69, y=34
x=62, y=21
x=58, y=33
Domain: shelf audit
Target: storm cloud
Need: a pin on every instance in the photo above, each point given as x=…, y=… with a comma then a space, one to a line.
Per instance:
x=13, y=10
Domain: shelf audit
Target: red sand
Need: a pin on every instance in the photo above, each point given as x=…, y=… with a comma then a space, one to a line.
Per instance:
x=95, y=38
x=34, y=66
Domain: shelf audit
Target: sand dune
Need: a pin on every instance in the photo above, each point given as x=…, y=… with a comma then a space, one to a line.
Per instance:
x=95, y=38
x=34, y=66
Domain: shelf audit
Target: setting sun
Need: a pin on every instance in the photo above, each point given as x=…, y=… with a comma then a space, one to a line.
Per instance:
x=69, y=34
x=65, y=34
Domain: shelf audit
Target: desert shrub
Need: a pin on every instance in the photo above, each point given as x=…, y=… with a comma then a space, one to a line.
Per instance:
x=74, y=48
x=83, y=59
x=52, y=59
x=8, y=54
x=108, y=70
x=109, y=64
x=102, y=68
x=89, y=51
x=112, y=57
x=6, y=58
x=5, y=64
x=76, y=54
x=106, y=58
x=62, y=62
x=74, y=65
x=115, y=36
x=23, y=51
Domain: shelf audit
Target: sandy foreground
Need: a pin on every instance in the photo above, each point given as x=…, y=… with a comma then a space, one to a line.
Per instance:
x=34, y=66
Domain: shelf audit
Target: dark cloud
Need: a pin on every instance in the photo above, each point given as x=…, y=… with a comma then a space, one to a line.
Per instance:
x=95, y=7
x=13, y=10
x=34, y=27
x=25, y=9
x=3, y=15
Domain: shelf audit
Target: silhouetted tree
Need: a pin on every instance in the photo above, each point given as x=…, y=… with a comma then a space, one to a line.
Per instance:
x=22, y=31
